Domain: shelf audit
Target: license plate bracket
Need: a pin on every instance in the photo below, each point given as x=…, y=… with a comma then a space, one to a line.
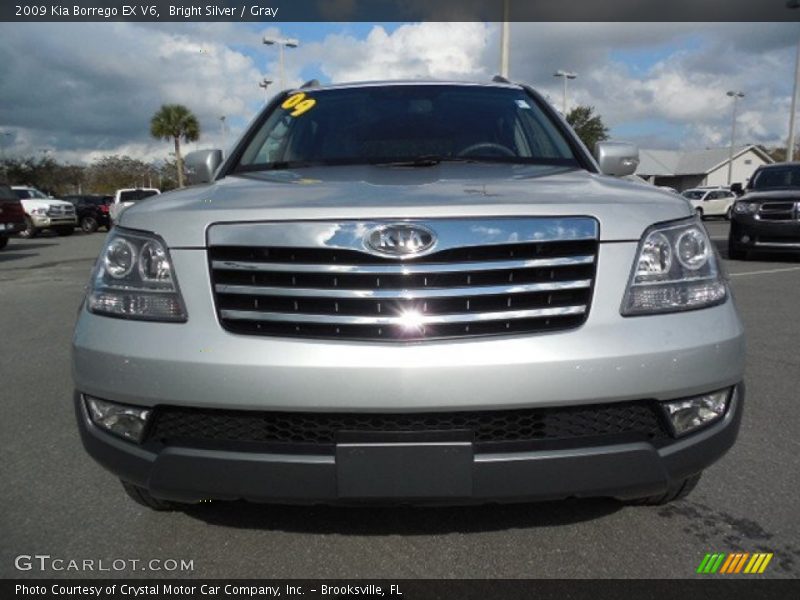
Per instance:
x=404, y=469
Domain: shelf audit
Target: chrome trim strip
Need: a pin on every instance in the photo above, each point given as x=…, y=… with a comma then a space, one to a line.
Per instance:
x=402, y=268
x=778, y=244
x=450, y=233
x=408, y=294
x=404, y=321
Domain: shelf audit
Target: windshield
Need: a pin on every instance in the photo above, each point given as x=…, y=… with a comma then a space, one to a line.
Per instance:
x=694, y=194
x=777, y=177
x=29, y=193
x=134, y=195
x=380, y=124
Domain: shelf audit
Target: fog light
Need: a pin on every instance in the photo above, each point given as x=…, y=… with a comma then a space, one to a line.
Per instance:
x=688, y=414
x=125, y=421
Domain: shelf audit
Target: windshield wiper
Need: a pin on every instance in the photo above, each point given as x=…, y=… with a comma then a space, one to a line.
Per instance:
x=290, y=164
x=425, y=160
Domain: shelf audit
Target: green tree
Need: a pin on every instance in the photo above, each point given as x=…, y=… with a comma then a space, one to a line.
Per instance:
x=175, y=122
x=589, y=127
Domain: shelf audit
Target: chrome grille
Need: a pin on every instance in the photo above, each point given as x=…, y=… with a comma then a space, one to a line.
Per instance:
x=778, y=211
x=542, y=281
x=57, y=210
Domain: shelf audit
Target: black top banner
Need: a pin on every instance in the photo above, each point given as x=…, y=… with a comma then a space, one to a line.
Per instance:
x=399, y=10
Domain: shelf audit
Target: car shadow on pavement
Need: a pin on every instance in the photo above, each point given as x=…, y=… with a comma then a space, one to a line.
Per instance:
x=16, y=250
x=402, y=520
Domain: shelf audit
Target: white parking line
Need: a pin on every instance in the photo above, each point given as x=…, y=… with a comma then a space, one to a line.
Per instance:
x=764, y=272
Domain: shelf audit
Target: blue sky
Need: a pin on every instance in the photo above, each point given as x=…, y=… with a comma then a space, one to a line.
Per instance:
x=659, y=84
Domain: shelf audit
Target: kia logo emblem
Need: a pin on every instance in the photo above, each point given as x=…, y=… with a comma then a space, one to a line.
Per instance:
x=400, y=240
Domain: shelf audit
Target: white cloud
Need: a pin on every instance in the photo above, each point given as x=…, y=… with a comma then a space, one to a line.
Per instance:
x=90, y=89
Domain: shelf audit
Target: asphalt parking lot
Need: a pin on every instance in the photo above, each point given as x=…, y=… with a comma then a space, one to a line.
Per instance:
x=54, y=500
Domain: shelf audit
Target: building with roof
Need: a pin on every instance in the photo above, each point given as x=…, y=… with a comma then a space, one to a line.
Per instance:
x=683, y=170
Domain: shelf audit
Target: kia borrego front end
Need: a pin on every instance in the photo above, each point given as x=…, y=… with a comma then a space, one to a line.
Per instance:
x=419, y=329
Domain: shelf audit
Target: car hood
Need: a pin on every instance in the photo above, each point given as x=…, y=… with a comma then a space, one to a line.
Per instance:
x=31, y=203
x=623, y=209
x=784, y=194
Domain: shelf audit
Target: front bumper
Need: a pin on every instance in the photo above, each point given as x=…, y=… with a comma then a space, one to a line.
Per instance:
x=416, y=472
x=749, y=233
x=9, y=228
x=608, y=359
x=43, y=222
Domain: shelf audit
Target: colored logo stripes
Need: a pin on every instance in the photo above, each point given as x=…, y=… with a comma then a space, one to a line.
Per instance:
x=736, y=562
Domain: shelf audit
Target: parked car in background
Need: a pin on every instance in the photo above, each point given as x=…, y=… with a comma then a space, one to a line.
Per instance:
x=767, y=216
x=92, y=211
x=12, y=215
x=711, y=202
x=43, y=212
x=126, y=197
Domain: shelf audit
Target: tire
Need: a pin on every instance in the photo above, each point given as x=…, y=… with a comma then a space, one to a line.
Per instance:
x=65, y=231
x=735, y=252
x=3, y=242
x=144, y=498
x=89, y=224
x=675, y=492
x=699, y=212
x=30, y=231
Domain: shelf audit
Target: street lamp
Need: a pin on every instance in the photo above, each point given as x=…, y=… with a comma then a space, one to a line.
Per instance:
x=735, y=96
x=281, y=42
x=790, y=143
x=504, y=39
x=265, y=83
x=224, y=133
x=566, y=75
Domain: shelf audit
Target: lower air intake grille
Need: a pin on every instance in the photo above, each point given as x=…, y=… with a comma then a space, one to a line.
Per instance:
x=638, y=420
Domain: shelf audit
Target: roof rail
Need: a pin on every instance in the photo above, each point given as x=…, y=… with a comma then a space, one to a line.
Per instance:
x=310, y=83
x=500, y=79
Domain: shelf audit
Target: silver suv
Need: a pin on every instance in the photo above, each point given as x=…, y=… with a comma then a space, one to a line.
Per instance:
x=409, y=292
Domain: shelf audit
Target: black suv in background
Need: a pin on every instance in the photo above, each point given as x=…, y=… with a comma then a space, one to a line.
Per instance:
x=92, y=211
x=767, y=216
x=12, y=216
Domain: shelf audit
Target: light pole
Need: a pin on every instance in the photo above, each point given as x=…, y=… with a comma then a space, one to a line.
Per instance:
x=504, y=40
x=224, y=133
x=566, y=75
x=790, y=143
x=265, y=83
x=735, y=96
x=281, y=42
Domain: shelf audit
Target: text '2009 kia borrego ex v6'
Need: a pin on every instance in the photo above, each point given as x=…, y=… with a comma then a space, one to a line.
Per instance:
x=409, y=292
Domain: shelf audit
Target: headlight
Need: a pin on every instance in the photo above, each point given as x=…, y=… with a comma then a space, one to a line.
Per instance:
x=134, y=279
x=745, y=208
x=39, y=211
x=676, y=269
x=688, y=414
x=125, y=421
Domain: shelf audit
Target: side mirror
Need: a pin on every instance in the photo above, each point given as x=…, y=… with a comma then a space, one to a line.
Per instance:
x=201, y=165
x=737, y=189
x=617, y=158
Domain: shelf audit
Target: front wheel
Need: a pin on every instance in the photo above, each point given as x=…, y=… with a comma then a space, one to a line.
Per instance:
x=65, y=231
x=735, y=252
x=678, y=490
x=89, y=224
x=30, y=231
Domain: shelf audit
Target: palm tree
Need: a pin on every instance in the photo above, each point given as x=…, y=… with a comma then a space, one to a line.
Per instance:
x=175, y=121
